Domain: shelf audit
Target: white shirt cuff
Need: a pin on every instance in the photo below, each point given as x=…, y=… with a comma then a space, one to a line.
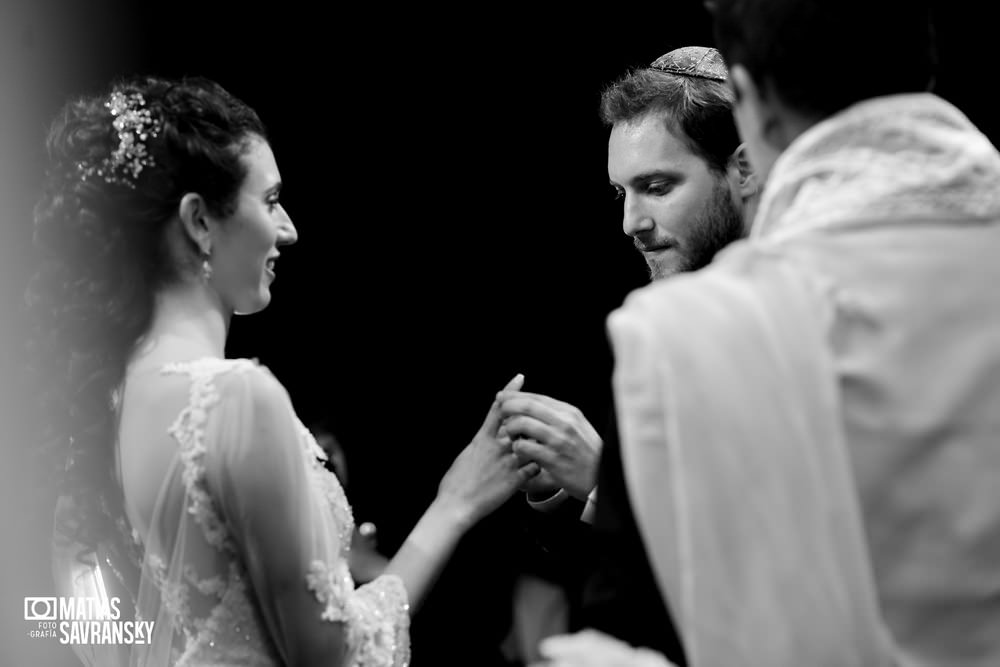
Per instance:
x=550, y=503
x=588, y=511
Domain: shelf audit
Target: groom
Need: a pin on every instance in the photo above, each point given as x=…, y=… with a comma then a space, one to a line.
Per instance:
x=676, y=162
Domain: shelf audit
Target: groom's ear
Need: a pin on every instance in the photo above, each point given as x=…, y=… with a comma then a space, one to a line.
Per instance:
x=743, y=175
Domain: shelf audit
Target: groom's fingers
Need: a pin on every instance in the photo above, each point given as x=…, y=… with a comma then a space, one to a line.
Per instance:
x=512, y=405
x=530, y=450
x=528, y=427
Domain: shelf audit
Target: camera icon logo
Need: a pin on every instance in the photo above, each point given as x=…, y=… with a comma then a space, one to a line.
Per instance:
x=40, y=609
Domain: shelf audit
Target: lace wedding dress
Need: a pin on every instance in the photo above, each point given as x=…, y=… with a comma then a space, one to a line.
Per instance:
x=246, y=533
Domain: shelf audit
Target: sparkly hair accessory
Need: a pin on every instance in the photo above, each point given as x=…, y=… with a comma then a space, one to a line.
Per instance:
x=696, y=61
x=134, y=123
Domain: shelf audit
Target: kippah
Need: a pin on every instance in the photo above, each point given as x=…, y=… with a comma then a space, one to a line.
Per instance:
x=697, y=61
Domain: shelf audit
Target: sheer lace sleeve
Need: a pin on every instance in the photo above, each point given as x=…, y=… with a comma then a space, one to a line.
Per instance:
x=78, y=573
x=289, y=519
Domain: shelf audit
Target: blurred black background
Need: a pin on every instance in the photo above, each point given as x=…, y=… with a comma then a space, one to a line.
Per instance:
x=446, y=170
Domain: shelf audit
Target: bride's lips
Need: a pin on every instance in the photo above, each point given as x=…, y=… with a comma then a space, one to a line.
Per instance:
x=269, y=265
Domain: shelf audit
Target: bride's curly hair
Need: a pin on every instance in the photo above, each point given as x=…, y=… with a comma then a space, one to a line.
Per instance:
x=104, y=255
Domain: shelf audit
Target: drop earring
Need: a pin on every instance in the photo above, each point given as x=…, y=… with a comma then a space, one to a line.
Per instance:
x=206, y=270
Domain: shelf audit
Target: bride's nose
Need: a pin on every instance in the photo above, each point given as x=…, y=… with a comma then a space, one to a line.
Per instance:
x=287, y=234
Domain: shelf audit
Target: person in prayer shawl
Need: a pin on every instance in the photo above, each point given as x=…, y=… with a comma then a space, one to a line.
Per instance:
x=809, y=426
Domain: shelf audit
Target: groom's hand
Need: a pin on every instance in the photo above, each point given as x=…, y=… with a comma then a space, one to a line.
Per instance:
x=556, y=436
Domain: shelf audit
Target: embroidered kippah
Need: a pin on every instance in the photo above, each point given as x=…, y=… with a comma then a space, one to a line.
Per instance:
x=697, y=61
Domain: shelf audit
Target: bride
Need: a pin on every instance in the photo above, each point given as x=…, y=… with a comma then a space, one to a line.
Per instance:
x=192, y=491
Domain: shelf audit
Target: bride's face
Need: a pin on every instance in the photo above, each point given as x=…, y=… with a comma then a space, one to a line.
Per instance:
x=245, y=245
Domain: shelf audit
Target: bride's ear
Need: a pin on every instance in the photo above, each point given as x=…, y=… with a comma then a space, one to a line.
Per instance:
x=193, y=213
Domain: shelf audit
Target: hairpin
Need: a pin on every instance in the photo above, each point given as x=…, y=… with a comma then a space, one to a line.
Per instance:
x=134, y=124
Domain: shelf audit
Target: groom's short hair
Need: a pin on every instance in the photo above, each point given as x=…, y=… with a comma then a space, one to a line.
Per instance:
x=687, y=89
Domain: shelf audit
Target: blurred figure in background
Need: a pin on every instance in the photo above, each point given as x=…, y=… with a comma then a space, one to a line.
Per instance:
x=366, y=561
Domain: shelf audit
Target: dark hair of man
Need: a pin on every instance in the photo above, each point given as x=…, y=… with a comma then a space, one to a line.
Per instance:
x=821, y=56
x=694, y=109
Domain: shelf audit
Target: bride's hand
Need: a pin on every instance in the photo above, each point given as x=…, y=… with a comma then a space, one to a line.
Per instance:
x=486, y=472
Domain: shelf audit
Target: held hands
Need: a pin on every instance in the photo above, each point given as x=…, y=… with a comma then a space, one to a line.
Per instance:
x=555, y=435
x=486, y=472
x=540, y=487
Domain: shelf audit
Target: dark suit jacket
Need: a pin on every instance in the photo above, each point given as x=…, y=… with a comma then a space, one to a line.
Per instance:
x=604, y=567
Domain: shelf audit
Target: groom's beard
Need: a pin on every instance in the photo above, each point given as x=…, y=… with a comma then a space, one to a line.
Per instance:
x=718, y=224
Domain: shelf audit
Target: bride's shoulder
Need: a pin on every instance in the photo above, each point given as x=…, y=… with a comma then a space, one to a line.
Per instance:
x=210, y=366
x=230, y=378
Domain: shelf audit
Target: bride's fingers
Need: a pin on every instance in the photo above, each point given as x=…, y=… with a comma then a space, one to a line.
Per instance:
x=515, y=383
x=491, y=425
x=526, y=472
